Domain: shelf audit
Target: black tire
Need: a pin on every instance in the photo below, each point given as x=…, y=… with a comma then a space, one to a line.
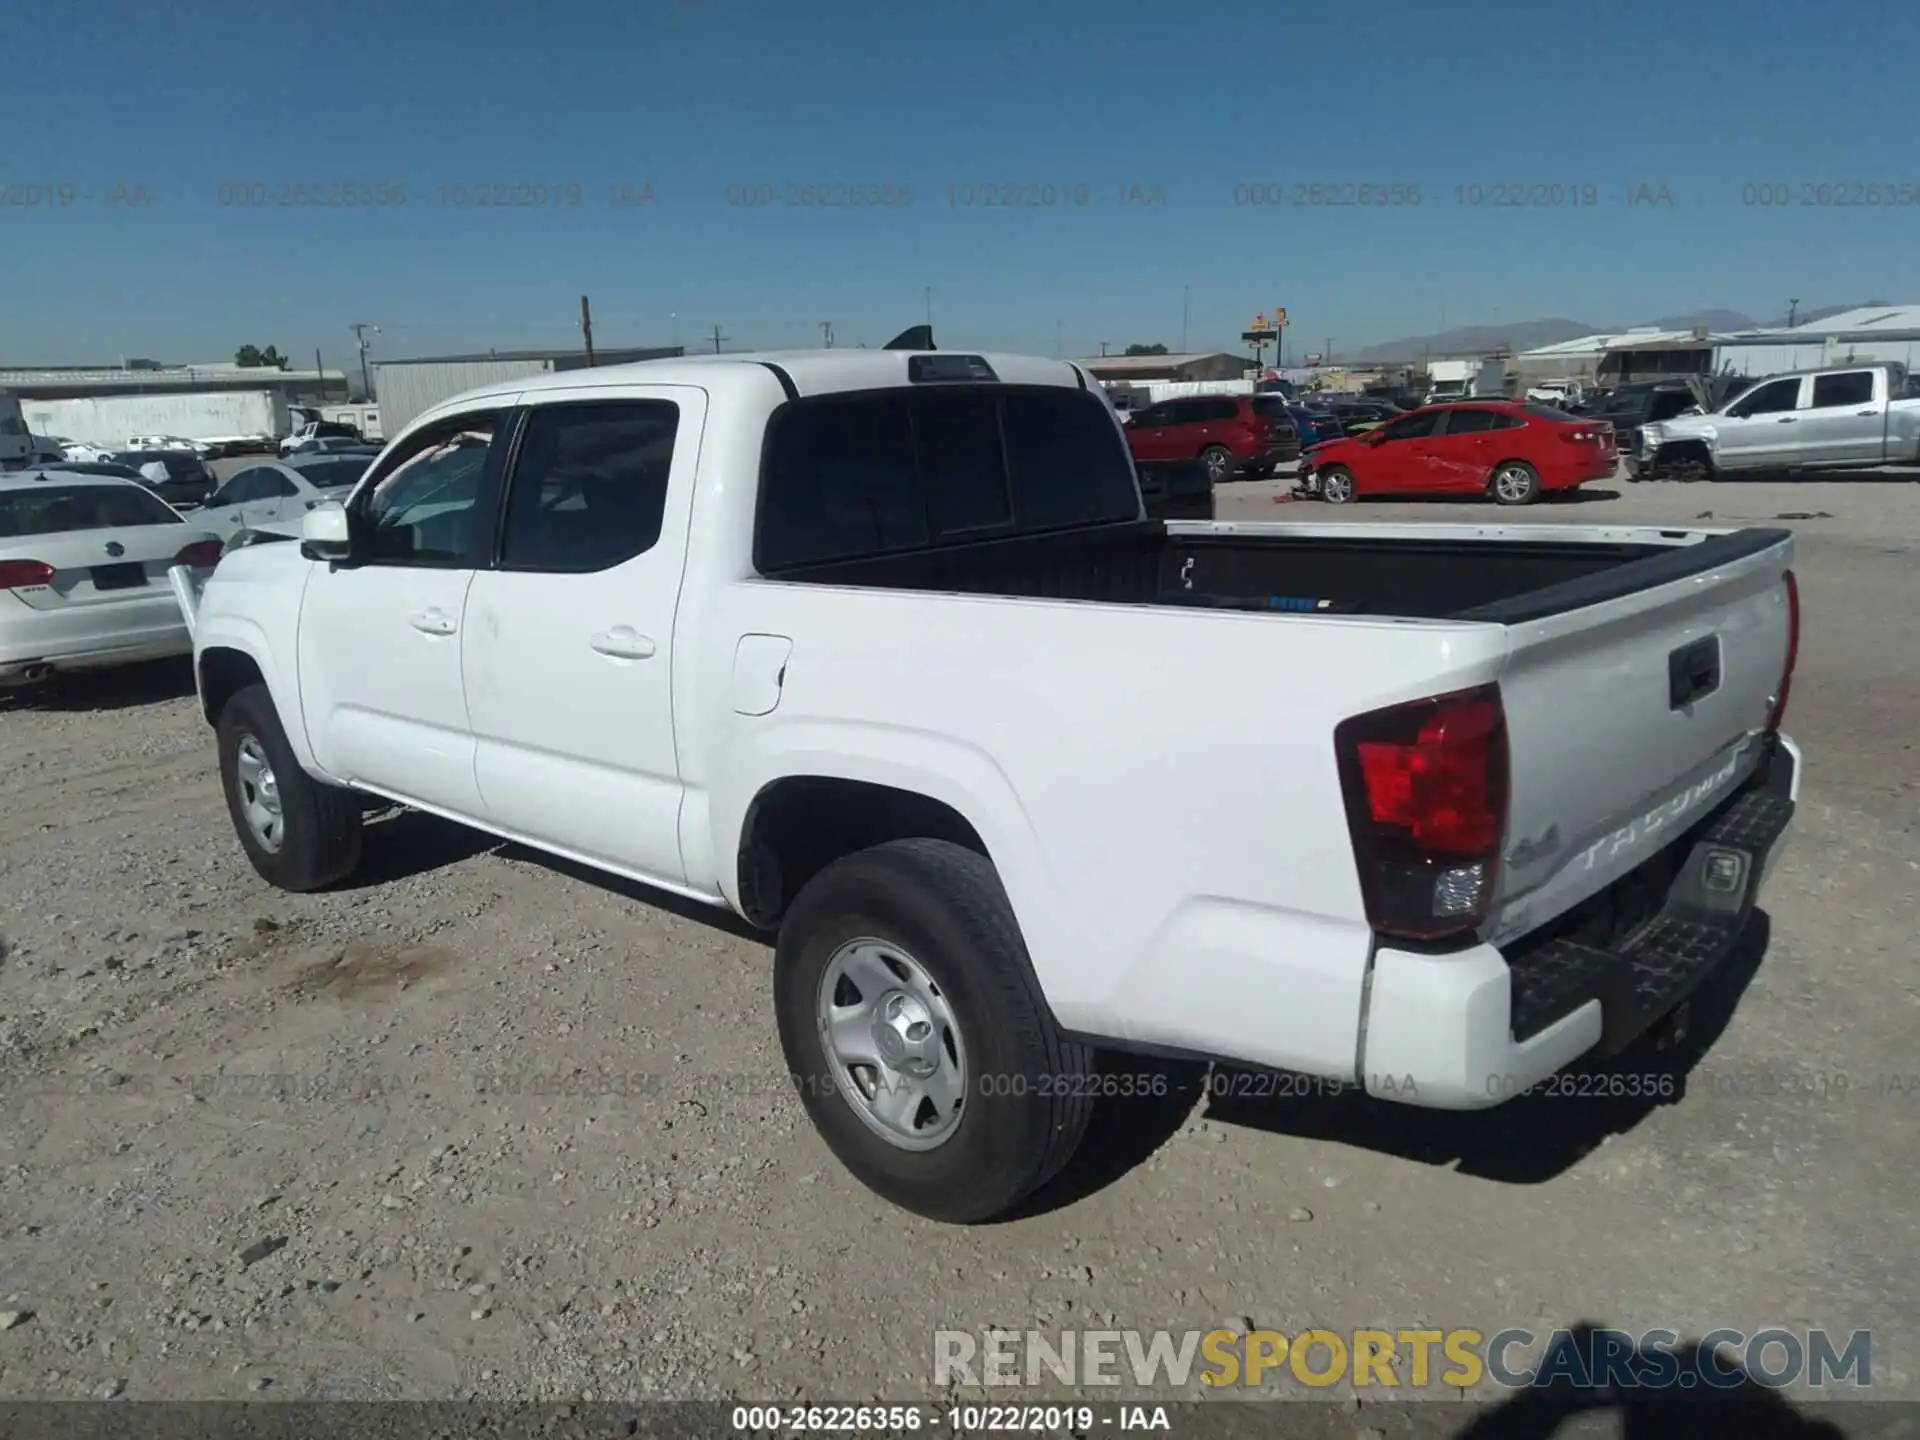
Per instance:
x=1343, y=490
x=1526, y=494
x=320, y=840
x=944, y=905
x=1219, y=462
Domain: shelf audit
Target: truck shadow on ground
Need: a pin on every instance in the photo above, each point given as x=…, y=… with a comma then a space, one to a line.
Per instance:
x=1530, y=1139
x=1705, y=1395
x=121, y=688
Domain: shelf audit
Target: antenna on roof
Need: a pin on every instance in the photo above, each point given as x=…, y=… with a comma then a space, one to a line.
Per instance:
x=920, y=337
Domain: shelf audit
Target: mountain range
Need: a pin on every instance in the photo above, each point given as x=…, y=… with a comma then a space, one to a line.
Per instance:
x=1529, y=334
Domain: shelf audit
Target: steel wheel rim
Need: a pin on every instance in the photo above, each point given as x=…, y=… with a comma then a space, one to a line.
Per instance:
x=1216, y=464
x=1511, y=483
x=892, y=1044
x=259, y=794
x=1337, y=488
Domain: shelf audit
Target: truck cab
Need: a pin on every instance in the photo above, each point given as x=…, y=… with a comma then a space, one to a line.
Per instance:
x=1840, y=417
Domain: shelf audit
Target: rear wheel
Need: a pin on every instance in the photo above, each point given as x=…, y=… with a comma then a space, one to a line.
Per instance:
x=1336, y=484
x=917, y=1036
x=1219, y=461
x=299, y=834
x=1514, y=482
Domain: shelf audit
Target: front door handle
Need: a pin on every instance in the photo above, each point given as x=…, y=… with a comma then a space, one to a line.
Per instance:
x=622, y=642
x=1866, y=412
x=433, y=622
x=1785, y=420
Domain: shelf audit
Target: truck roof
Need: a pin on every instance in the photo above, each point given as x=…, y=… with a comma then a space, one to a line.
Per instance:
x=812, y=372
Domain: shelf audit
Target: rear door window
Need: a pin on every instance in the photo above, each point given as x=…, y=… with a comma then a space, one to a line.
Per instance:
x=1472, y=422
x=1855, y=387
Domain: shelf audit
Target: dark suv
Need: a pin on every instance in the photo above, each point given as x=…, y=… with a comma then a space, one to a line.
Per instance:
x=188, y=481
x=1232, y=434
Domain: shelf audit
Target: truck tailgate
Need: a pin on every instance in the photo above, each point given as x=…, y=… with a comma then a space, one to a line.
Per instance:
x=1632, y=715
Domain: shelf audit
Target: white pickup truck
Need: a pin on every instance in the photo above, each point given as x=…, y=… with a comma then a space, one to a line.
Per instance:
x=879, y=649
x=1846, y=417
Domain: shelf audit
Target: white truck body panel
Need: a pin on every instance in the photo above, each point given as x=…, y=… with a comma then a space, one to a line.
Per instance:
x=1180, y=877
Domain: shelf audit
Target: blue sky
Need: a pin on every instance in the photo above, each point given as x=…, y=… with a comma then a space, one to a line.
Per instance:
x=1134, y=141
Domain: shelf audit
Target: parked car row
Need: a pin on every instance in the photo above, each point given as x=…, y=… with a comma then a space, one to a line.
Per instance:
x=86, y=547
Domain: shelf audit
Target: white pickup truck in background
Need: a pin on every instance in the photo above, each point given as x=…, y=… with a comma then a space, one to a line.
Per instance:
x=1845, y=417
x=878, y=649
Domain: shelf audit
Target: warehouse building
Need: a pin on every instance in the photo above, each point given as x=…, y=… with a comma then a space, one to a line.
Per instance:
x=1879, y=332
x=409, y=388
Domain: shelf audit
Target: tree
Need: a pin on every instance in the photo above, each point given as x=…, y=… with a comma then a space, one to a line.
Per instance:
x=1145, y=350
x=253, y=357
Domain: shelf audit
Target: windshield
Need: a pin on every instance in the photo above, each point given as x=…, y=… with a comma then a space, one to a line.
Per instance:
x=60, y=509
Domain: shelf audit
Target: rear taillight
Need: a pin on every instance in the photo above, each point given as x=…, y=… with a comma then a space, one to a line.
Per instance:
x=24, y=574
x=1779, y=710
x=201, y=555
x=1426, y=793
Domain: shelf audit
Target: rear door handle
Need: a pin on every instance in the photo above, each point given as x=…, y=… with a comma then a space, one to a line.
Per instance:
x=1785, y=420
x=1866, y=412
x=622, y=642
x=433, y=622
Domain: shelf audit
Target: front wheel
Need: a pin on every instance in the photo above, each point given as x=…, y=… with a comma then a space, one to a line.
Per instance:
x=1515, y=482
x=916, y=1035
x=299, y=834
x=1336, y=484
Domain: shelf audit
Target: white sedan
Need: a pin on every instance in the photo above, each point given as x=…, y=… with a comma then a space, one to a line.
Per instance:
x=84, y=563
x=280, y=490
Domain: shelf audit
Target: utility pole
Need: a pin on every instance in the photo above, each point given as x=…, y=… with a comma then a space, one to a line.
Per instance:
x=1186, y=292
x=826, y=333
x=586, y=329
x=1793, y=309
x=717, y=338
x=319, y=375
x=1103, y=349
x=360, y=338
x=929, y=305
x=1327, y=359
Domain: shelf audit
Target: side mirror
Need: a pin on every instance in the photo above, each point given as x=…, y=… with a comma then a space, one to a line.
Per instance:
x=324, y=534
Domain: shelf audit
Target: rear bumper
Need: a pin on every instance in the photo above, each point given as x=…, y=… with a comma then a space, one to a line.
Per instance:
x=1471, y=1029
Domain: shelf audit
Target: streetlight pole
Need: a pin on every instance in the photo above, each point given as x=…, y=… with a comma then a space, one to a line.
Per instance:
x=1186, y=292
x=1793, y=309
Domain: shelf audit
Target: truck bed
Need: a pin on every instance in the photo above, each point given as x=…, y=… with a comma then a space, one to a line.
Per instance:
x=1500, y=578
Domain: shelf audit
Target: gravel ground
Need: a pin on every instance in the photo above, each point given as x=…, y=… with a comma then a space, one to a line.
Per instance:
x=258, y=1144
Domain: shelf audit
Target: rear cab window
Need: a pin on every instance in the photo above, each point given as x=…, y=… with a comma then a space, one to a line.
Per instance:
x=879, y=472
x=51, y=509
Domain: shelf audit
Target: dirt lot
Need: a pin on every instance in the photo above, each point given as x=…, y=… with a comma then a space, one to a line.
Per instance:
x=290, y=1146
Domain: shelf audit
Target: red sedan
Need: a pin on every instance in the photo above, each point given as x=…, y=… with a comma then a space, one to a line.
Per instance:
x=1510, y=451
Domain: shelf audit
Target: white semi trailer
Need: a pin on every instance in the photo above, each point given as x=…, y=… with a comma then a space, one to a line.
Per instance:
x=228, y=416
